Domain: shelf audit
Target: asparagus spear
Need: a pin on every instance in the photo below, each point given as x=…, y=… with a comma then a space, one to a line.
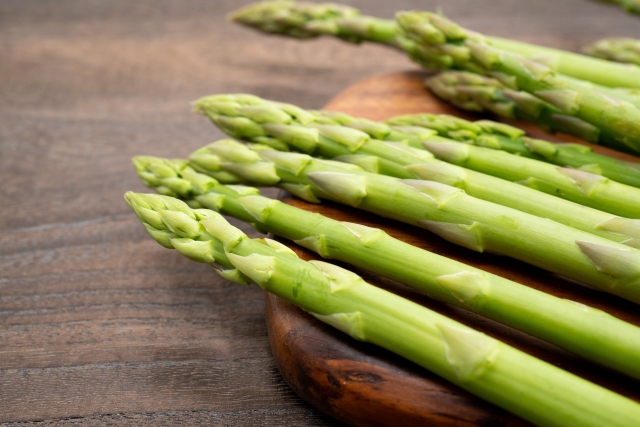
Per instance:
x=337, y=135
x=473, y=92
x=624, y=50
x=576, y=185
x=618, y=119
x=494, y=135
x=492, y=370
x=306, y=20
x=559, y=321
x=446, y=211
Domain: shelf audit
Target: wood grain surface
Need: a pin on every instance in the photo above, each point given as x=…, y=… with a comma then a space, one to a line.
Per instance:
x=366, y=386
x=98, y=324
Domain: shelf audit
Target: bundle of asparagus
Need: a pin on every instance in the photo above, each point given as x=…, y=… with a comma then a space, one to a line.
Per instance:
x=390, y=169
x=337, y=135
x=436, y=42
x=556, y=320
x=473, y=92
x=444, y=210
x=522, y=384
x=308, y=20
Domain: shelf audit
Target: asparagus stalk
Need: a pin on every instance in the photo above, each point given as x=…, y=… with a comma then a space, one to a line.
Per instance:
x=446, y=211
x=520, y=383
x=337, y=135
x=485, y=133
x=576, y=185
x=306, y=20
x=624, y=50
x=618, y=119
x=559, y=321
x=473, y=92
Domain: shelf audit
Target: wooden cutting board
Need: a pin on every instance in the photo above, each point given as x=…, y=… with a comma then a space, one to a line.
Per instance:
x=364, y=385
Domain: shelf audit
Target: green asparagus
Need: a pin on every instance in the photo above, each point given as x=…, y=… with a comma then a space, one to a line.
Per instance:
x=619, y=120
x=446, y=211
x=616, y=49
x=337, y=135
x=490, y=134
x=306, y=20
x=473, y=92
x=564, y=323
x=522, y=384
x=577, y=185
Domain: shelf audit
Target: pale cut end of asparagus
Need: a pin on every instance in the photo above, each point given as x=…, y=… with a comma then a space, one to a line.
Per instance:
x=339, y=278
x=619, y=263
x=302, y=191
x=469, y=287
x=468, y=236
x=258, y=268
x=350, y=189
x=366, y=235
x=317, y=244
x=291, y=162
x=194, y=250
x=451, y=152
x=349, y=323
x=439, y=193
x=587, y=182
x=441, y=172
x=469, y=353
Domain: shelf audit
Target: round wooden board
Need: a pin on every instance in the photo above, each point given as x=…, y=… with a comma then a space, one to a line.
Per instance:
x=364, y=385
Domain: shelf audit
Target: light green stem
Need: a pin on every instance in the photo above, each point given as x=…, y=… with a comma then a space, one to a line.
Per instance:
x=337, y=135
x=448, y=212
x=306, y=20
x=463, y=49
x=522, y=384
x=573, y=64
x=573, y=326
x=579, y=186
x=485, y=133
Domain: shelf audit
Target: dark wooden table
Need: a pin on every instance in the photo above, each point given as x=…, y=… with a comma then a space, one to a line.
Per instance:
x=99, y=325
